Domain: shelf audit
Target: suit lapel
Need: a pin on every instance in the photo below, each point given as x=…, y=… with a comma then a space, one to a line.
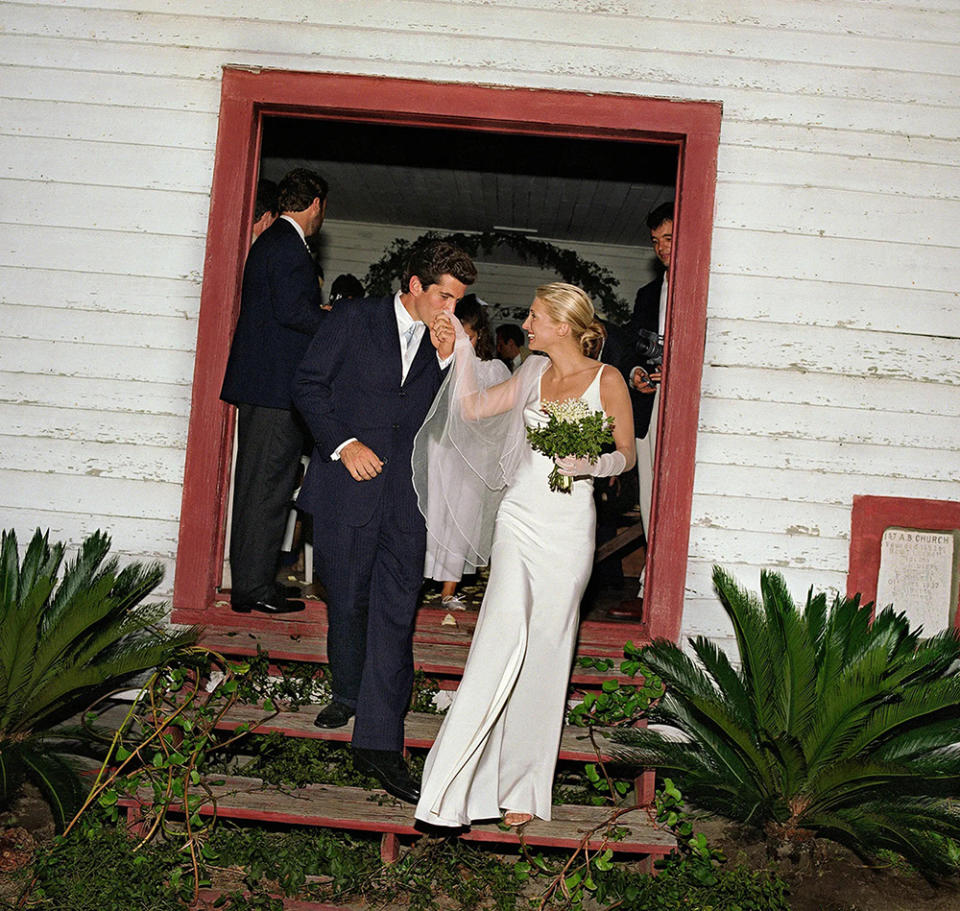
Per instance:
x=421, y=360
x=388, y=341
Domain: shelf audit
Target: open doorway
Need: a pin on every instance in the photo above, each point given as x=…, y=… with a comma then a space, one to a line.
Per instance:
x=548, y=207
x=405, y=158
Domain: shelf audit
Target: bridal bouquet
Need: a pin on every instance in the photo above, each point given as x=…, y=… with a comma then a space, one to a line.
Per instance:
x=572, y=430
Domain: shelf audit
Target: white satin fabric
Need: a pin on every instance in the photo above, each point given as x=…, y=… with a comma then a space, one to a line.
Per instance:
x=497, y=747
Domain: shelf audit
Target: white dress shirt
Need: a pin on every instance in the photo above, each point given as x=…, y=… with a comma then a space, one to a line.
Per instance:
x=299, y=230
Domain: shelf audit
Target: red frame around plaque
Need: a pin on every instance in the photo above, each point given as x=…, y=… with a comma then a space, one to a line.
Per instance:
x=693, y=127
x=872, y=516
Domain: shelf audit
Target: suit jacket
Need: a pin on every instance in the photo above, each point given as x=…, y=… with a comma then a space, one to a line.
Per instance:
x=646, y=315
x=279, y=314
x=348, y=385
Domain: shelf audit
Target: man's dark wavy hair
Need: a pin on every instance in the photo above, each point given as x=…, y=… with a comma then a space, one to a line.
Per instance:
x=435, y=258
x=299, y=188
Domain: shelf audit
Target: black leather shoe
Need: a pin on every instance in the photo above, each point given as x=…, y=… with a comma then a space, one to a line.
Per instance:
x=334, y=715
x=390, y=770
x=272, y=606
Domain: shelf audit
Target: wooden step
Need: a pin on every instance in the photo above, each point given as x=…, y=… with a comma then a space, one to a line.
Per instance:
x=596, y=637
x=420, y=730
x=360, y=810
x=441, y=659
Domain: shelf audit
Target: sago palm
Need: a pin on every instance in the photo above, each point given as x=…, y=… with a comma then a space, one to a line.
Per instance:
x=832, y=724
x=62, y=645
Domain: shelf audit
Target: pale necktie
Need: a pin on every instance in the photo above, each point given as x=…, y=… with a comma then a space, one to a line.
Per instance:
x=409, y=348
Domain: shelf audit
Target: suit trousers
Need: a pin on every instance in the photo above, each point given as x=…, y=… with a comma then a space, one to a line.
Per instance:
x=269, y=444
x=372, y=576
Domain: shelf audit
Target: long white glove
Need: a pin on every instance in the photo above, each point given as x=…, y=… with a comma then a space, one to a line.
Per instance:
x=610, y=463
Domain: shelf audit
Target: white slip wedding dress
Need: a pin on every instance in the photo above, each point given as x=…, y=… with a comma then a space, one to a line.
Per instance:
x=497, y=747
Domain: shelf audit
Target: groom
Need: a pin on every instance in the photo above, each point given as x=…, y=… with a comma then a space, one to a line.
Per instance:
x=364, y=388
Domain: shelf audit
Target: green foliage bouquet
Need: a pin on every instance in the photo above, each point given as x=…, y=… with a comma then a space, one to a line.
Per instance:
x=572, y=429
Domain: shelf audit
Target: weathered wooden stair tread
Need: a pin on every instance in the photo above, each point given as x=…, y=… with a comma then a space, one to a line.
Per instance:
x=595, y=636
x=357, y=809
x=431, y=657
x=420, y=730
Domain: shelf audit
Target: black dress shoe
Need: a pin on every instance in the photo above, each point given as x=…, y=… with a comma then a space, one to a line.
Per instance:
x=334, y=715
x=271, y=606
x=390, y=770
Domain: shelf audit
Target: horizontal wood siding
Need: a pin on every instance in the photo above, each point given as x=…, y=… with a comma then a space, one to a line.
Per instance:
x=831, y=357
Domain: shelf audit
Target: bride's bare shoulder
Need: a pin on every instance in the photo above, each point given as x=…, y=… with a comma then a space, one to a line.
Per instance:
x=612, y=379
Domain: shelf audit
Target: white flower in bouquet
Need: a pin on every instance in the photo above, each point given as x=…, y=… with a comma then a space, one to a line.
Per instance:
x=572, y=429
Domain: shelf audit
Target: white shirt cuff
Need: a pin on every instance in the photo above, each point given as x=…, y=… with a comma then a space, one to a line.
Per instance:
x=335, y=455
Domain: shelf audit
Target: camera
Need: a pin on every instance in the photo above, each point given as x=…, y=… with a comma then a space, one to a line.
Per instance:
x=648, y=348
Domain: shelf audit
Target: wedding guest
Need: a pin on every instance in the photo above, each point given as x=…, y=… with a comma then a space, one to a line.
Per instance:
x=498, y=744
x=279, y=313
x=645, y=379
x=345, y=287
x=265, y=209
x=447, y=548
x=511, y=347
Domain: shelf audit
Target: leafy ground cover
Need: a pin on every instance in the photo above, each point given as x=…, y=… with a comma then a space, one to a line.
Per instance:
x=100, y=872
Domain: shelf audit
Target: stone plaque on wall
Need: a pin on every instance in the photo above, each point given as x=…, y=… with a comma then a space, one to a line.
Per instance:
x=919, y=575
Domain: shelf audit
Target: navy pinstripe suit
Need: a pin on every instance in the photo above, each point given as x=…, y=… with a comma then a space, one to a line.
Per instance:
x=369, y=536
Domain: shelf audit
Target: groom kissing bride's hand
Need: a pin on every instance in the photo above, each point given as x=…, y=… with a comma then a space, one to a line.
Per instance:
x=442, y=335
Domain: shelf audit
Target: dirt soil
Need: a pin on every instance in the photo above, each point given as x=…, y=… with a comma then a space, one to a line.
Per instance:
x=823, y=876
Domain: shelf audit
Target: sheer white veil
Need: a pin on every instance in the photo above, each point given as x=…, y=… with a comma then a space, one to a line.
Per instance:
x=468, y=450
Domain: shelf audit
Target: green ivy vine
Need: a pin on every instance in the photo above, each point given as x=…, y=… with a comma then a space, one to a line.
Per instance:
x=596, y=280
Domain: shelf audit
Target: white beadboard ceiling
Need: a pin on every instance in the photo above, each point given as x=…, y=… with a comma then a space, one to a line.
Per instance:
x=557, y=188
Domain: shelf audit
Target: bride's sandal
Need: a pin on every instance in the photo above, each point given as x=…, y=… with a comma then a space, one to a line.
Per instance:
x=516, y=819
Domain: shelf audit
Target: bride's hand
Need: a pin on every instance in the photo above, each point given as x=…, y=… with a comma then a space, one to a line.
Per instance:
x=443, y=333
x=607, y=465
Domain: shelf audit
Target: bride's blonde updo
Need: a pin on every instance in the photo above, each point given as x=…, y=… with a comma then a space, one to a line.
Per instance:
x=569, y=304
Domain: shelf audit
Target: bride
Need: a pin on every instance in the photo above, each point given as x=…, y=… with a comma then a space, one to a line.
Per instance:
x=497, y=747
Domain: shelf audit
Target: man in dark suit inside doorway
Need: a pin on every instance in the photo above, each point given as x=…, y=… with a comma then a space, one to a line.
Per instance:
x=364, y=388
x=649, y=316
x=279, y=314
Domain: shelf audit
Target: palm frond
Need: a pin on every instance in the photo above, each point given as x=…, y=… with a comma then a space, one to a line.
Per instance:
x=753, y=644
x=835, y=721
x=61, y=645
x=56, y=778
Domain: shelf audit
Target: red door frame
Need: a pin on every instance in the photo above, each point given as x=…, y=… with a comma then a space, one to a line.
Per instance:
x=246, y=96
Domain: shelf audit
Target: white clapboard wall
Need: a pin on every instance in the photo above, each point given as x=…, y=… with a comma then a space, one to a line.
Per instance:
x=831, y=363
